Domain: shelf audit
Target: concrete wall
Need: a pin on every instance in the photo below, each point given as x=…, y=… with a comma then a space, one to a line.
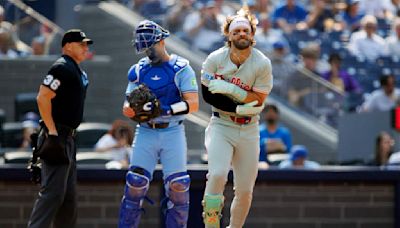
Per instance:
x=277, y=203
x=105, y=94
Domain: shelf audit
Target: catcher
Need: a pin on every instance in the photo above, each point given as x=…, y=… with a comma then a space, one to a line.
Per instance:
x=162, y=88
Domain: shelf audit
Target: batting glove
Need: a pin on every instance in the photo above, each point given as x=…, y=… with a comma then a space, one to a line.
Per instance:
x=249, y=109
x=223, y=87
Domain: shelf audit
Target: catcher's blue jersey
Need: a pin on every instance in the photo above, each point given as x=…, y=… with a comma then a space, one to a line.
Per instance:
x=167, y=80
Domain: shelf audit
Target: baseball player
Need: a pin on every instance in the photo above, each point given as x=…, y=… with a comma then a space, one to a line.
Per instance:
x=173, y=81
x=236, y=79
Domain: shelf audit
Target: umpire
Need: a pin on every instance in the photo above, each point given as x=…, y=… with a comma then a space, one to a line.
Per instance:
x=61, y=100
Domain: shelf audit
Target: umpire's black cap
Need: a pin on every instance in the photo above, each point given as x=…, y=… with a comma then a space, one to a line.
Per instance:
x=75, y=35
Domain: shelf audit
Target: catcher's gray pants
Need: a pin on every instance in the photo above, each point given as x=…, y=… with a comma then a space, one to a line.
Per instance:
x=57, y=196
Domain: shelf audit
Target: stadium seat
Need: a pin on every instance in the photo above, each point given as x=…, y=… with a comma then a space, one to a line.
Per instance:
x=89, y=133
x=92, y=158
x=25, y=102
x=17, y=157
x=11, y=135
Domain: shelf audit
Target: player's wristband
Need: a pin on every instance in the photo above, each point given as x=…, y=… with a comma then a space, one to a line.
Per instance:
x=180, y=108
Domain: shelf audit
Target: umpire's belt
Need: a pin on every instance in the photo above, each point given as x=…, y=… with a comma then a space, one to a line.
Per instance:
x=238, y=120
x=163, y=125
x=64, y=130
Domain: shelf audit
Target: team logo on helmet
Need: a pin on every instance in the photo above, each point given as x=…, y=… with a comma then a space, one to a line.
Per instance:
x=147, y=34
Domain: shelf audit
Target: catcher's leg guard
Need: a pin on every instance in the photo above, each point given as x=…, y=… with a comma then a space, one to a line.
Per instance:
x=212, y=207
x=137, y=184
x=177, y=190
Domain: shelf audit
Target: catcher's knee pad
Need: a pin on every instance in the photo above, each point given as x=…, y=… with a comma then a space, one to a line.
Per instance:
x=212, y=207
x=137, y=185
x=177, y=186
x=177, y=190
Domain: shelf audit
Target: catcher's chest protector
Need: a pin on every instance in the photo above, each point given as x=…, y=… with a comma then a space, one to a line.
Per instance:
x=161, y=79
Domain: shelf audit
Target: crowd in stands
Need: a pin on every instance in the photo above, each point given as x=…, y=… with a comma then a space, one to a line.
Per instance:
x=348, y=43
x=24, y=36
x=345, y=53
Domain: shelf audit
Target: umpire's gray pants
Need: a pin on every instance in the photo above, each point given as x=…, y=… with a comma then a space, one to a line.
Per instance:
x=57, y=196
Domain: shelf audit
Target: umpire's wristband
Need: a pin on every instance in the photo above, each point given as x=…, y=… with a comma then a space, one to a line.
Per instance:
x=180, y=108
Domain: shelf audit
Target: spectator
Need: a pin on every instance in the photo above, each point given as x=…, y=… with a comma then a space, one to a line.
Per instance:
x=377, y=8
x=393, y=42
x=383, y=99
x=29, y=126
x=384, y=144
x=6, y=44
x=300, y=82
x=366, y=43
x=394, y=159
x=340, y=78
x=290, y=17
x=298, y=159
x=283, y=67
x=351, y=16
x=266, y=36
x=321, y=17
x=177, y=14
x=117, y=142
x=38, y=45
x=258, y=7
x=393, y=9
x=203, y=26
x=274, y=138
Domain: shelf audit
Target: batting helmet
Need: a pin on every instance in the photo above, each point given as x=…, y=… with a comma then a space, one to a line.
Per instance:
x=147, y=34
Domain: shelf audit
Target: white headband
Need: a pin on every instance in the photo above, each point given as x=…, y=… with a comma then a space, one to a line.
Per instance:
x=239, y=22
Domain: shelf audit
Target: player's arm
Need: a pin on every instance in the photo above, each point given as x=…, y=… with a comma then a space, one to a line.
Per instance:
x=187, y=84
x=43, y=99
x=127, y=111
x=192, y=99
x=217, y=100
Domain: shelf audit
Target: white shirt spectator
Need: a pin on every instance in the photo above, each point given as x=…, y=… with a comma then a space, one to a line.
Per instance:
x=363, y=46
x=392, y=47
x=205, y=38
x=394, y=159
x=393, y=41
x=117, y=153
x=374, y=7
x=379, y=101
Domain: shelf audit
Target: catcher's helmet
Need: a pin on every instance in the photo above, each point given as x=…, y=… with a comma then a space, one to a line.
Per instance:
x=147, y=34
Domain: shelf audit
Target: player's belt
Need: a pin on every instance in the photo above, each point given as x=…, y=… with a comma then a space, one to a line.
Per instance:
x=163, y=125
x=238, y=120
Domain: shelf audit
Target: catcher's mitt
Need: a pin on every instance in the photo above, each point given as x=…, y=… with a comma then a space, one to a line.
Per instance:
x=145, y=104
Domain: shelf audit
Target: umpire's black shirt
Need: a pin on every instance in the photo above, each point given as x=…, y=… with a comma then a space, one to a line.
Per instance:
x=69, y=83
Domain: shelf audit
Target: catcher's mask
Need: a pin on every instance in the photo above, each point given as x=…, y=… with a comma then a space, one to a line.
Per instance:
x=147, y=34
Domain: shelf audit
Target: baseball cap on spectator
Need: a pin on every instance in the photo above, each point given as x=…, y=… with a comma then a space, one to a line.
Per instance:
x=278, y=45
x=298, y=151
x=75, y=35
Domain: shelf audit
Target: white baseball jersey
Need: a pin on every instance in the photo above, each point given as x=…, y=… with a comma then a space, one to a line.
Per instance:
x=255, y=74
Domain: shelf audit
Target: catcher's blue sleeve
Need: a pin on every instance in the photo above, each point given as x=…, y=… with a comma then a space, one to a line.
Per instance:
x=186, y=80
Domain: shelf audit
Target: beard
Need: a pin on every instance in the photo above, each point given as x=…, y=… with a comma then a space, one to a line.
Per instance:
x=242, y=44
x=155, y=58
